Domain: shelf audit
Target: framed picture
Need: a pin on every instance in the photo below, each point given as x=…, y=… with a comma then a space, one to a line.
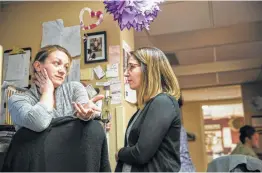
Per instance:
x=95, y=47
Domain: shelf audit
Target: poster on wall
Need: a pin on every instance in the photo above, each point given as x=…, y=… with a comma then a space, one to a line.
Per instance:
x=114, y=54
x=130, y=95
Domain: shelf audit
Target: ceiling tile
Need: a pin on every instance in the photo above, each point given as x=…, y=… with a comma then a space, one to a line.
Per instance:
x=239, y=51
x=182, y=16
x=237, y=77
x=195, y=56
x=232, y=12
x=193, y=81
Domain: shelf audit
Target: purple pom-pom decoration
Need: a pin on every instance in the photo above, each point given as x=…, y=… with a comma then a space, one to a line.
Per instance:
x=133, y=13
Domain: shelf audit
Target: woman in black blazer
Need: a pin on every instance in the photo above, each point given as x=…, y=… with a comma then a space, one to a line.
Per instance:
x=152, y=140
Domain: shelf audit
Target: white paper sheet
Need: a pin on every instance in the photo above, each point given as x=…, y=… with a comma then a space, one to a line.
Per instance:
x=74, y=74
x=102, y=83
x=130, y=95
x=87, y=74
x=24, y=82
x=71, y=40
x=52, y=32
x=115, y=87
x=114, y=54
x=16, y=67
x=114, y=80
x=116, y=98
x=99, y=72
x=112, y=70
x=91, y=91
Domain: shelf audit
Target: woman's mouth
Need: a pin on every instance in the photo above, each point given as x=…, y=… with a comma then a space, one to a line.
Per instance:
x=59, y=77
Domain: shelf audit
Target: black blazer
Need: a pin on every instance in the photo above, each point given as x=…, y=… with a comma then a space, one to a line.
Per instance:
x=154, y=139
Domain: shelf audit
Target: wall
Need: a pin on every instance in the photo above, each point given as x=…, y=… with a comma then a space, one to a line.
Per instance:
x=21, y=26
x=193, y=122
x=249, y=91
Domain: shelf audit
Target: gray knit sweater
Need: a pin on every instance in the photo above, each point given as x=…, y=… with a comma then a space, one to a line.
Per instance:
x=27, y=111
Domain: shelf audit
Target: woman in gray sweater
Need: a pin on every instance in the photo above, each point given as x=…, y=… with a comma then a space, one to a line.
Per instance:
x=49, y=97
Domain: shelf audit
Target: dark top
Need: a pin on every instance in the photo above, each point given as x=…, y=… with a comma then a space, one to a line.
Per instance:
x=154, y=139
x=68, y=145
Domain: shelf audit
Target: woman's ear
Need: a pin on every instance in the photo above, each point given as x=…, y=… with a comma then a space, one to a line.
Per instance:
x=37, y=66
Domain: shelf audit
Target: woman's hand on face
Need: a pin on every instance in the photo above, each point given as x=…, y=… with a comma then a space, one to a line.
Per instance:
x=86, y=111
x=43, y=82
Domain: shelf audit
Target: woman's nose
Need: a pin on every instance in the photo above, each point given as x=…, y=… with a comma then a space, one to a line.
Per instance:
x=61, y=70
x=126, y=73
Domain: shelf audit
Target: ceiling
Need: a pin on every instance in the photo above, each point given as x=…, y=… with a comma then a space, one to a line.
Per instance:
x=209, y=44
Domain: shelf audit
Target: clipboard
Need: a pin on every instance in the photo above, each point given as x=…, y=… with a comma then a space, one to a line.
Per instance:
x=16, y=51
x=5, y=117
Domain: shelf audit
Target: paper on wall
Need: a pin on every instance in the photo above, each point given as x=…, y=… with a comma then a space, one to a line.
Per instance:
x=91, y=91
x=24, y=82
x=114, y=54
x=87, y=74
x=74, y=74
x=16, y=67
x=71, y=40
x=116, y=98
x=112, y=70
x=102, y=83
x=99, y=72
x=116, y=86
x=130, y=95
x=52, y=32
x=114, y=80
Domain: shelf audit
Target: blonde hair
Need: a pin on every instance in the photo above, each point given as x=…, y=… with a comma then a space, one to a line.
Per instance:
x=157, y=75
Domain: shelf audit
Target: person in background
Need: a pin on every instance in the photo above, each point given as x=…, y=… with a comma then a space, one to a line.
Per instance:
x=152, y=139
x=249, y=139
x=186, y=161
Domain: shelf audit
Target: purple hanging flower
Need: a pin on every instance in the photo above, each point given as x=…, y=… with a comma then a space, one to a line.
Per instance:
x=133, y=13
